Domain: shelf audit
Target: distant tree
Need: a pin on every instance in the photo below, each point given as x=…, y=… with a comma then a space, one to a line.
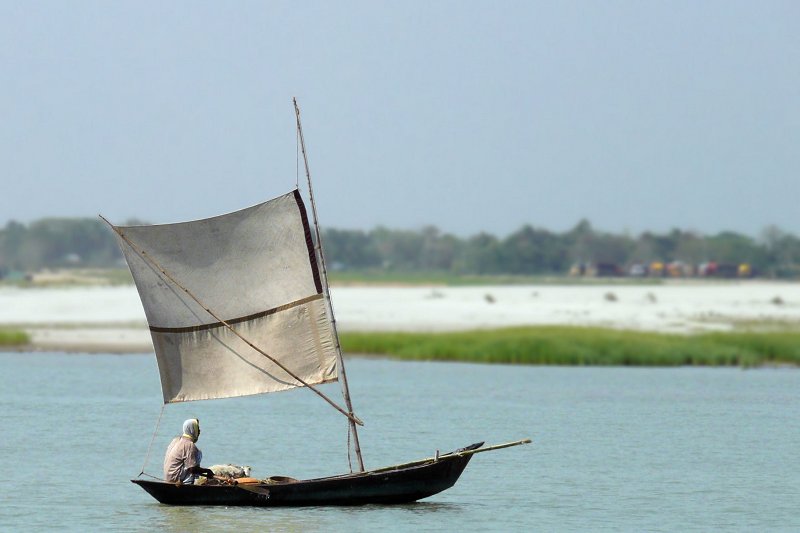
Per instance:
x=57, y=242
x=12, y=240
x=438, y=251
x=691, y=248
x=53, y=242
x=350, y=249
x=781, y=251
x=734, y=248
x=399, y=250
x=533, y=251
x=579, y=241
x=644, y=250
x=589, y=246
x=480, y=255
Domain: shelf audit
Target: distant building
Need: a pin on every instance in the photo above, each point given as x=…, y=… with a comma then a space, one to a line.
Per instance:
x=726, y=270
x=596, y=270
x=607, y=270
x=745, y=271
x=72, y=259
x=637, y=270
x=657, y=269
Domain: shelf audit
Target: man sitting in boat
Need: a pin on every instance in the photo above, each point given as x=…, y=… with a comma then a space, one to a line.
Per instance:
x=182, y=461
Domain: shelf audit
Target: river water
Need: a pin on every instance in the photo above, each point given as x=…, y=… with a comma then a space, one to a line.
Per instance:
x=615, y=449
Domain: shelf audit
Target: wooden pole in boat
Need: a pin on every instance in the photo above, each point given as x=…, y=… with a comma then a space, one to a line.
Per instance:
x=457, y=453
x=345, y=388
x=144, y=255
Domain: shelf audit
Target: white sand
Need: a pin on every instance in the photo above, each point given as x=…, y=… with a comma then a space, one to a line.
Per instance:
x=674, y=307
x=78, y=305
x=109, y=317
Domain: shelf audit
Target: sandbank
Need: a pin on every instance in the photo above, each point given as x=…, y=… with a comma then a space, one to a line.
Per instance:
x=111, y=319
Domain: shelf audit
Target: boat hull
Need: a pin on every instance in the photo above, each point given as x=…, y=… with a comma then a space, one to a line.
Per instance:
x=402, y=484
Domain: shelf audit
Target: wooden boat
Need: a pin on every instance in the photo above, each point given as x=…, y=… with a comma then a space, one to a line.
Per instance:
x=239, y=305
x=400, y=484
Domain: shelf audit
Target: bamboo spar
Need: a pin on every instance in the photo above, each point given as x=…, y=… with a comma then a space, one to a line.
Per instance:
x=456, y=453
x=353, y=419
x=345, y=388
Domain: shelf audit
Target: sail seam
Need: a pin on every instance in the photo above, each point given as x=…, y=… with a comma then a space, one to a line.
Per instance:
x=312, y=256
x=262, y=314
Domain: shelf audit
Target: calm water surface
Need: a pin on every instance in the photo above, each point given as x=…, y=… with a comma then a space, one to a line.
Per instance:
x=618, y=449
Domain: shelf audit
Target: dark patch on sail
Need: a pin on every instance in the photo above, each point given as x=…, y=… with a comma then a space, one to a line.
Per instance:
x=232, y=321
x=312, y=256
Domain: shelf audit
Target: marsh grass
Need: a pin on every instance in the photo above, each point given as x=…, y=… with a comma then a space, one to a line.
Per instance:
x=10, y=337
x=72, y=277
x=122, y=276
x=557, y=345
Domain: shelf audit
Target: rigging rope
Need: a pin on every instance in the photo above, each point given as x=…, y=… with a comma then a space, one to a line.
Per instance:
x=150, y=475
x=297, y=161
x=329, y=304
x=349, y=460
x=152, y=439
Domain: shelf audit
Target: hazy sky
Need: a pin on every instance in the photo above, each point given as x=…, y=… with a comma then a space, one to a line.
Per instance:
x=466, y=115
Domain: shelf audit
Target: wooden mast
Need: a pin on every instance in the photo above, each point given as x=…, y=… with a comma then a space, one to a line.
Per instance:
x=343, y=374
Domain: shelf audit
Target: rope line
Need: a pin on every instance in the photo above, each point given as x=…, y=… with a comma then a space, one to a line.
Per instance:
x=340, y=358
x=349, y=460
x=152, y=439
x=297, y=161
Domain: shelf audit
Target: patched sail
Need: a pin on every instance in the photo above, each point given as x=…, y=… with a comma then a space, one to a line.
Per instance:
x=256, y=269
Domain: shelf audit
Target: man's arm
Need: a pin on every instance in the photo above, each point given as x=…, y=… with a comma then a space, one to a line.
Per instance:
x=200, y=471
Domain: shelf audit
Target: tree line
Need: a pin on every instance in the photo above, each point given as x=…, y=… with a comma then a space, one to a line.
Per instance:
x=85, y=242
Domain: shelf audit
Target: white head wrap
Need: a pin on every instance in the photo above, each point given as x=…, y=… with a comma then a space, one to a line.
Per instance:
x=191, y=429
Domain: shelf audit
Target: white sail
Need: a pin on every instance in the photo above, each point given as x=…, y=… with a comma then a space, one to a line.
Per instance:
x=255, y=269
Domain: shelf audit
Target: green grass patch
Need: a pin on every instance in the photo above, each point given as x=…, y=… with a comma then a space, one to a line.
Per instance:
x=9, y=337
x=70, y=277
x=561, y=345
x=122, y=276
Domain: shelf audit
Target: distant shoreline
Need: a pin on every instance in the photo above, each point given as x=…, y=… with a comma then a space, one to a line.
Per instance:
x=111, y=320
x=71, y=278
x=88, y=340
x=534, y=345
